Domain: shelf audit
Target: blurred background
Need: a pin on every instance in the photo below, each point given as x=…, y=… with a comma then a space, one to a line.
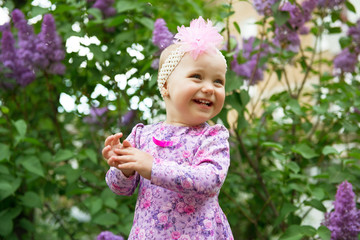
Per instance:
x=72, y=72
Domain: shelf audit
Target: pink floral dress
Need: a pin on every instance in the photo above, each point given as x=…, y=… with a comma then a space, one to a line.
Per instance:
x=181, y=200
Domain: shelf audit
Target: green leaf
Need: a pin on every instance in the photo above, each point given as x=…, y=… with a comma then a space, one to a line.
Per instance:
x=350, y=7
x=33, y=165
x=334, y=30
x=237, y=27
x=318, y=193
x=285, y=210
x=278, y=156
x=4, y=170
x=295, y=107
x=96, y=205
x=4, y=152
x=96, y=13
x=304, y=150
x=6, y=226
x=308, y=230
x=20, y=126
x=245, y=98
x=272, y=145
x=329, y=150
x=8, y=188
x=98, y=54
x=110, y=202
x=233, y=82
x=31, y=199
x=63, y=155
x=281, y=17
x=292, y=233
x=147, y=22
x=324, y=233
x=293, y=166
x=92, y=155
x=316, y=204
x=122, y=6
x=106, y=219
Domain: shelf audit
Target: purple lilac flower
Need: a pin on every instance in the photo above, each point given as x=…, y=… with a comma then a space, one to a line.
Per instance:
x=105, y=6
x=26, y=37
x=96, y=115
x=330, y=3
x=5, y=27
x=296, y=16
x=346, y=61
x=18, y=69
x=354, y=33
x=307, y=8
x=263, y=7
x=162, y=37
x=49, y=50
x=155, y=63
x=344, y=221
x=356, y=110
x=107, y=235
x=287, y=38
x=251, y=69
x=128, y=117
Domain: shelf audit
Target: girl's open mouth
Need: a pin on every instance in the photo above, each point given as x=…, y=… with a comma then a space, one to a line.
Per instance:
x=203, y=102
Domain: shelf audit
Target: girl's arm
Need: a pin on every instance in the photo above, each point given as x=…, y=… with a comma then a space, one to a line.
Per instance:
x=208, y=172
x=119, y=183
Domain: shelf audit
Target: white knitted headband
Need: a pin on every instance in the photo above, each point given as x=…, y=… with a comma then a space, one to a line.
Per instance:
x=200, y=37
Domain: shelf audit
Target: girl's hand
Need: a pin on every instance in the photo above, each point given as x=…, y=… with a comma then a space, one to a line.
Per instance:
x=111, y=143
x=133, y=159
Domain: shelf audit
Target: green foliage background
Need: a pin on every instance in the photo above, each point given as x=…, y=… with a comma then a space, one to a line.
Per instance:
x=50, y=159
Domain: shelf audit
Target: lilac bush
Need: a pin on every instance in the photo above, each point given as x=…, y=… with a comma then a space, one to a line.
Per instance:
x=18, y=69
x=162, y=37
x=287, y=35
x=344, y=221
x=32, y=52
x=346, y=61
x=26, y=36
x=49, y=50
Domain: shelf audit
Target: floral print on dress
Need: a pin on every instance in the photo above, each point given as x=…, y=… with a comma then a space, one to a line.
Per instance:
x=181, y=199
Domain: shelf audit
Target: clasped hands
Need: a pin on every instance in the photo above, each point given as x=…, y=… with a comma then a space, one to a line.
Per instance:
x=127, y=158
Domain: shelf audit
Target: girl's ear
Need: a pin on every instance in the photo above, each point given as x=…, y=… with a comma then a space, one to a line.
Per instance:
x=165, y=91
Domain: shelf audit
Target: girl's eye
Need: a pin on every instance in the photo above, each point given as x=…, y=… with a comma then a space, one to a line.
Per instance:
x=219, y=81
x=195, y=76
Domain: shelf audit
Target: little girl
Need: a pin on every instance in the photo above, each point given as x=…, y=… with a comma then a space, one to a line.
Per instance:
x=180, y=164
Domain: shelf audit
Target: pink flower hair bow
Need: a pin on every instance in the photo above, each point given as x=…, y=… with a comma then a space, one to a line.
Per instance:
x=201, y=36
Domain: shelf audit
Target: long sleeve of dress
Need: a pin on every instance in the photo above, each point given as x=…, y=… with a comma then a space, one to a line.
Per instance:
x=116, y=180
x=207, y=172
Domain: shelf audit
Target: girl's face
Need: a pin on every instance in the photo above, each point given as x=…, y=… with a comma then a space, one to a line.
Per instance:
x=195, y=89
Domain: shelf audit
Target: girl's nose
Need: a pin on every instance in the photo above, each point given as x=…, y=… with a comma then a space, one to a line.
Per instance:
x=207, y=89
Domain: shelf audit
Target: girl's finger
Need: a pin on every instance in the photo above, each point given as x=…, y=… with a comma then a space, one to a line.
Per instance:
x=116, y=139
x=105, y=151
x=126, y=144
x=108, y=140
x=123, y=151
